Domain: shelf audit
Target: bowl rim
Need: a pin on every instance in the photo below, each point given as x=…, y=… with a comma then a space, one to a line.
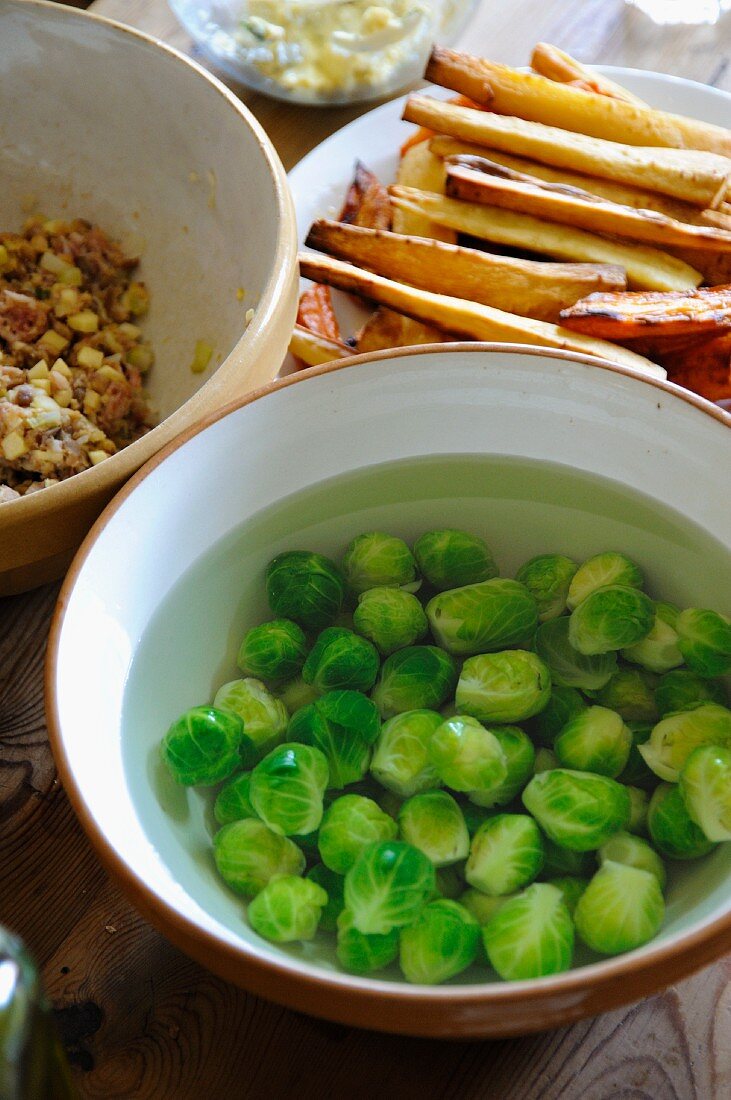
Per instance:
x=276, y=978
x=103, y=477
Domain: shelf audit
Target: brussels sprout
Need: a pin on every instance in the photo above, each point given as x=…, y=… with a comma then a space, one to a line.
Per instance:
x=705, y=784
x=350, y=824
x=452, y=559
x=704, y=639
x=682, y=690
x=672, y=830
x=564, y=704
x=481, y=906
x=674, y=738
x=610, y=618
x=305, y=587
x=432, y=821
x=546, y=761
x=295, y=694
x=631, y=693
x=450, y=882
x=520, y=758
x=287, y=909
x=287, y=788
x=391, y=618
x=248, y=855
x=506, y=854
x=376, y=560
x=562, y=861
x=265, y=717
x=578, y=810
x=232, y=801
x=401, y=758
x=503, y=687
x=343, y=725
x=658, y=651
x=569, y=668
x=481, y=618
x=639, y=805
x=547, y=578
x=341, y=660
x=387, y=886
x=600, y=571
x=635, y=852
x=531, y=935
x=621, y=908
x=441, y=943
x=466, y=756
x=636, y=771
x=334, y=887
x=204, y=746
x=416, y=678
x=572, y=888
x=595, y=741
x=273, y=651
x=359, y=953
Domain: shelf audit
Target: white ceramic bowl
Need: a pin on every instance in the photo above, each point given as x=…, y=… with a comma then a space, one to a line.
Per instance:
x=103, y=122
x=539, y=451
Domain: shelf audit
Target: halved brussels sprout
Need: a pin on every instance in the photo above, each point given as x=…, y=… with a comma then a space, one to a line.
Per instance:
x=466, y=756
x=672, y=830
x=520, y=758
x=506, y=854
x=441, y=943
x=531, y=935
x=572, y=888
x=334, y=887
x=420, y=677
x=600, y=571
x=563, y=861
x=547, y=578
x=658, y=651
x=232, y=801
x=350, y=824
x=639, y=805
x=359, y=953
x=564, y=704
x=343, y=725
x=305, y=587
x=704, y=639
x=265, y=717
x=273, y=651
x=401, y=758
x=597, y=740
x=287, y=909
x=611, y=618
x=295, y=694
x=248, y=855
x=674, y=738
x=569, y=668
x=682, y=690
x=287, y=788
x=341, y=660
x=482, y=618
x=390, y=618
x=578, y=810
x=433, y=822
x=204, y=746
x=621, y=909
x=387, y=886
x=705, y=784
x=631, y=692
x=452, y=559
x=503, y=687
x=376, y=560
x=635, y=852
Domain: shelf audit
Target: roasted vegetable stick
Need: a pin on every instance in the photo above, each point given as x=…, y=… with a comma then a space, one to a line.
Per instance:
x=706, y=369
x=479, y=180
x=647, y=268
x=527, y=287
x=714, y=266
x=477, y=322
x=418, y=167
x=313, y=349
x=534, y=97
x=557, y=65
x=386, y=329
x=316, y=312
x=626, y=316
x=695, y=177
x=366, y=202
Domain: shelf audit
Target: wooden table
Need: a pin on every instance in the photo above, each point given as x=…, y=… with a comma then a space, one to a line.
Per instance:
x=139, y=1019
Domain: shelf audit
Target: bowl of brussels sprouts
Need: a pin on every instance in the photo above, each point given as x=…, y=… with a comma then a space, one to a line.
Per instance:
x=422, y=723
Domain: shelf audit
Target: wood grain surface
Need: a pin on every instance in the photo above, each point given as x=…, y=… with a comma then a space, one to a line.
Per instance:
x=138, y=1019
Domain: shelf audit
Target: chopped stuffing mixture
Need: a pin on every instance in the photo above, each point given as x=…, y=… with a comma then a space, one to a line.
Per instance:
x=72, y=358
